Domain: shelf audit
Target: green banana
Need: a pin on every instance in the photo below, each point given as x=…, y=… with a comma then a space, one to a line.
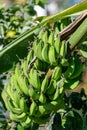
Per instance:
x=42, y=109
x=41, y=65
x=55, y=95
x=56, y=30
x=52, y=55
x=70, y=68
x=9, y=91
x=30, y=56
x=24, y=67
x=78, y=68
x=58, y=91
x=16, y=98
x=55, y=105
x=57, y=72
x=71, y=84
x=35, y=44
x=60, y=85
x=40, y=35
x=23, y=104
x=12, y=108
x=51, y=38
x=26, y=123
x=13, y=94
x=33, y=108
x=75, y=84
x=33, y=94
x=61, y=26
x=44, y=84
x=23, y=84
x=38, y=64
x=4, y=94
x=45, y=37
x=63, y=53
x=42, y=98
x=63, y=49
x=45, y=52
x=34, y=79
x=57, y=44
x=37, y=112
x=18, y=118
x=51, y=88
x=18, y=71
x=4, y=97
x=39, y=50
x=14, y=83
x=64, y=62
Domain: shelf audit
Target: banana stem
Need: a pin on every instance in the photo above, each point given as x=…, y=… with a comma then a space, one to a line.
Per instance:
x=71, y=28
x=79, y=35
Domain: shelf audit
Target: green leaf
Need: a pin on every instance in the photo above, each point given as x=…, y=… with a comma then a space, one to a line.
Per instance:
x=76, y=9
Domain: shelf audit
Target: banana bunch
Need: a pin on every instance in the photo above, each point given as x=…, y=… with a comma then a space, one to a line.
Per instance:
x=49, y=48
x=31, y=96
x=36, y=87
